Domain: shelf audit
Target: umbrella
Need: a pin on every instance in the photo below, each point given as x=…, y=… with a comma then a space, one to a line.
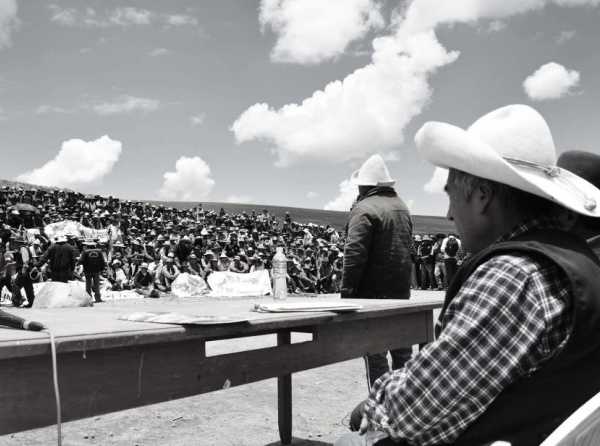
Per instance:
x=25, y=207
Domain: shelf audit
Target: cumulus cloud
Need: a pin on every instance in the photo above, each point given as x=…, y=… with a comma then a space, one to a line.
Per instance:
x=77, y=162
x=198, y=119
x=118, y=17
x=190, y=181
x=311, y=31
x=8, y=21
x=363, y=114
x=437, y=182
x=238, y=199
x=126, y=104
x=551, y=81
x=343, y=202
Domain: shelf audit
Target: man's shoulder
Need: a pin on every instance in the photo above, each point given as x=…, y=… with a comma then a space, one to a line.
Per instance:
x=513, y=264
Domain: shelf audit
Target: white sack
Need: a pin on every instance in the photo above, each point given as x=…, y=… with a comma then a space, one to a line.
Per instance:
x=61, y=295
x=226, y=283
x=188, y=285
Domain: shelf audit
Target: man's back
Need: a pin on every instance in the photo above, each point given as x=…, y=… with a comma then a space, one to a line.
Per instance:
x=377, y=260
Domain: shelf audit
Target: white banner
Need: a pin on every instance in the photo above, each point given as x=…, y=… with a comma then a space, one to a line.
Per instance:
x=228, y=284
x=70, y=227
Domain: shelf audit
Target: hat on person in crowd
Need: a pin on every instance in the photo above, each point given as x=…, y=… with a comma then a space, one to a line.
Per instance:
x=89, y=243
x=144, y=265
x=116, y=262
x=223, y=256
x=417, y=238
x=513, y=146
x=236, y=258
x=209, y=253
x=373, y=172
x=193, y=256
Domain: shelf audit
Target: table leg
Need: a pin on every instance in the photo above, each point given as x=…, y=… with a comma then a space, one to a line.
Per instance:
x=284, y=396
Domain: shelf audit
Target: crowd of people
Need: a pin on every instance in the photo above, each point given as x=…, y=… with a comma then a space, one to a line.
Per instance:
x=146, y=246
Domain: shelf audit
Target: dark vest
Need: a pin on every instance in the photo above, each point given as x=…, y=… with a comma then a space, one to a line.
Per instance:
x=527, y=411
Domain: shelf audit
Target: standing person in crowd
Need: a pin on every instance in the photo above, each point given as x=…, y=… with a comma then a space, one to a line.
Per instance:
x=587, y=166
x=439, y=269
x=426, y=262
x=377, y=262
x=450, y=248
x=93, y=263
x=61, y=257
x=517, y=347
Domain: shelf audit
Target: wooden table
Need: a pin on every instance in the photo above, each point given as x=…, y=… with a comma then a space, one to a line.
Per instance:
x=106, y=364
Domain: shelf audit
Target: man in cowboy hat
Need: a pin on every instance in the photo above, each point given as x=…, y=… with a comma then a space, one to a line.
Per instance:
x=62, y=258
x=587, y=166
x=377, y=263
x=517, y=347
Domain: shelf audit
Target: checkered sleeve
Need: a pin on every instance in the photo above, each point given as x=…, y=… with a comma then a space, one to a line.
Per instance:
x=491, y=336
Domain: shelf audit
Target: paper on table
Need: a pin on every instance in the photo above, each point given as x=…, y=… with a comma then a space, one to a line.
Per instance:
x=282, y=307
x=177, y=318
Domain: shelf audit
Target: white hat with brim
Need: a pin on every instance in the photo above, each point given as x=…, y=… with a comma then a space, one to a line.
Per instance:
x=511, y=145
x=373, y=172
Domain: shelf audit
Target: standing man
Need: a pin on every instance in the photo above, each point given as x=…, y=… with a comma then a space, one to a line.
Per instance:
x=93, y=264
x=377, y=262
x=450, y=247
x=62, y=258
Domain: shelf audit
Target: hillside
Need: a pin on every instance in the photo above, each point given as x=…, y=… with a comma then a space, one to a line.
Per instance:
x=422, y=223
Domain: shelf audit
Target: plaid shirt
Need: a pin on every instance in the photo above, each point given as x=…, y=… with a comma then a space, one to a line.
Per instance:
x=509, y=317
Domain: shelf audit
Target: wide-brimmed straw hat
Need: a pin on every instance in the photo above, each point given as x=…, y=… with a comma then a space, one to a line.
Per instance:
x=511, y=145
x=373, y=172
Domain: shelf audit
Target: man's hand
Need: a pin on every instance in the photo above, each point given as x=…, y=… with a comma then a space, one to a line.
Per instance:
x=357, y=417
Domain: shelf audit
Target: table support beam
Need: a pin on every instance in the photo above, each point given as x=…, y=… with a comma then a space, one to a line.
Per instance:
x=284, y=396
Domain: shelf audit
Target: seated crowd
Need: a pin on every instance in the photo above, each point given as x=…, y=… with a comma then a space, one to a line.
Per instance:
x=149, y=245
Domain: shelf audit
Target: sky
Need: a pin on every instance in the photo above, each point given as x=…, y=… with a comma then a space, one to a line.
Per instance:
x=277, y=101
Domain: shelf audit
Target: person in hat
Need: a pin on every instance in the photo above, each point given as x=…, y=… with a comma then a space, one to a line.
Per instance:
x=168, y=273
x=143, y=282
x=93, y=262
x=237, y=266
x=377, y=252
x=587, y=166
x=517, y=348
x=62, y=258
x=224, y=262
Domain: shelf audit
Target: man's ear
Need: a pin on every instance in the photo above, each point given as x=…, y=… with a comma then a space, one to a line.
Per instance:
x=483, y=197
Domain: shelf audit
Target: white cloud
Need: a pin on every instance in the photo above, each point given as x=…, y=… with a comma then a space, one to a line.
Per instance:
x=130, y=16
x=437, y=182
x=343, y=202
x=191, y=180
x=180, y=20
x=8, y=21
x=565, y=36
x=158, y=52
x=126, y=104
x=198, y=119
x=77, y=162
x=550, y=81
x=45, y=109
x=311, y=31
x=312, y=195
x=238, y=199
x=118, y=17
x=350, y=119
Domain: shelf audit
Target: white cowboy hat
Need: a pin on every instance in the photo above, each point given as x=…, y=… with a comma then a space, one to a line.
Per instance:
x=373, y=172
x=511, y=145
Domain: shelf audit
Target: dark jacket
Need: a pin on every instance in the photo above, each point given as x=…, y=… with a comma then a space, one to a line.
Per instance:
x=377, y=263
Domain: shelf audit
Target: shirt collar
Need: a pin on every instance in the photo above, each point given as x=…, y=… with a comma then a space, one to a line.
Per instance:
x=529, y=225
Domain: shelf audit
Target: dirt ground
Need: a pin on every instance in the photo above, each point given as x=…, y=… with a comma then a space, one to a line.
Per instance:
x=239, y=416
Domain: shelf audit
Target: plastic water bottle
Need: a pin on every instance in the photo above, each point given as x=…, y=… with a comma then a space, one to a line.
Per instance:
x=279, y=274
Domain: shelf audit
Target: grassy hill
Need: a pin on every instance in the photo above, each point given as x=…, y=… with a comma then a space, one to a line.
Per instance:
x=422, y=223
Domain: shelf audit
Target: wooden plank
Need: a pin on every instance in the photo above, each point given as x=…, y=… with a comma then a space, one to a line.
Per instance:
x=284, y=396
x=85, y=329
x=101, y=381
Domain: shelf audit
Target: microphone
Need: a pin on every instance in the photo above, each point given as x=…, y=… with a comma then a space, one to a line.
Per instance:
x=10, y=320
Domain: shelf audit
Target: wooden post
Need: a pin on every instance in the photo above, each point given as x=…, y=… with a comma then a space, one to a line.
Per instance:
x=284, y=396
